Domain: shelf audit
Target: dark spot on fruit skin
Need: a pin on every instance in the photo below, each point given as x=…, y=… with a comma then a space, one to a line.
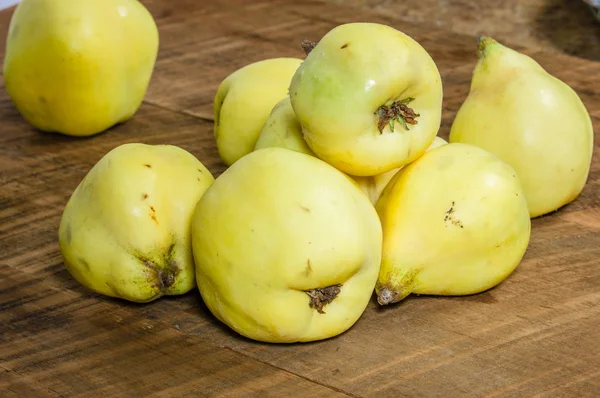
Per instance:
x=148, y=166
x=200, y=170
x=153, y=214
x=145, y=196
x=306, y=209
x=308, y=269
x=344, y=46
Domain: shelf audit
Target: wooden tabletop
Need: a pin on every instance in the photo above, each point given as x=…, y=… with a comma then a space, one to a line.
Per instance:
x=536, y=333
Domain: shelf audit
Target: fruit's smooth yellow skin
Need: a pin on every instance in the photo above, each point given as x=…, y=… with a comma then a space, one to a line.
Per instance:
x=79, y=67
x=354, y=70
x=531, y=120
x=125, y=231
x=244, y=101
x=455, y=222
x=282, y=129
x=373, y=186
x=274, y=225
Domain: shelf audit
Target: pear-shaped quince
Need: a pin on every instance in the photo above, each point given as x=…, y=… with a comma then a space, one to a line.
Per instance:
x=79, y=67
x=244, y=101
x=287, y=248
x=368, y=97
x=455, y=222
x=125, y=231
x=531, y=120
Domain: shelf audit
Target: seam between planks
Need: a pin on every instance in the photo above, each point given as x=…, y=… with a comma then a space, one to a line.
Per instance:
x=178, y=111
x=330, y=387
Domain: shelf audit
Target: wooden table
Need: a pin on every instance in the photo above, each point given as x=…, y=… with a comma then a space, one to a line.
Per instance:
x=536, y=333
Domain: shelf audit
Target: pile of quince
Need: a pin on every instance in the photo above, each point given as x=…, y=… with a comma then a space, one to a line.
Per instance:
x=337, y=185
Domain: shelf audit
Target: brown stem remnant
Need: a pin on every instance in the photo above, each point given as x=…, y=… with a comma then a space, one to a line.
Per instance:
x=308, y=46
x=167, y=278
x=386, y=296
x=322, y=296
x=164, y=277
x=398, y=111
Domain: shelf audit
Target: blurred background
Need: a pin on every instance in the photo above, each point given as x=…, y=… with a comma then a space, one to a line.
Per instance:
x=568, y=26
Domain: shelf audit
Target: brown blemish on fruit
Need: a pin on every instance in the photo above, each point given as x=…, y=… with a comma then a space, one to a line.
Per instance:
x=148, y=166
x=153, y=214
x=199, y=170
x=306, y=209
x=144, y=196
x=320, y=297
x=449, y=216
x=308, y=46
x=308, y=269
x=344, y=46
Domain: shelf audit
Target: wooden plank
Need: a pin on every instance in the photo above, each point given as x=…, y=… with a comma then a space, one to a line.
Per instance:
x=16, y=386
x=63, y=343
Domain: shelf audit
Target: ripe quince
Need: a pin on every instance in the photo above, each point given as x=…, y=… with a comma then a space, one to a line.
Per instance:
x=455, y=222
x=287, y=248
x=125, y=231
x=79, y=67
x=368, y=97
x=530, y=119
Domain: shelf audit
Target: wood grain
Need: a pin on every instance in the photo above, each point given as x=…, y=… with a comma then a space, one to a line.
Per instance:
x=535, y=334
x=74, y=344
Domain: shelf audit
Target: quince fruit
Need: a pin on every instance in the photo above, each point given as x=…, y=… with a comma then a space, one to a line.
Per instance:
x=455, y=222
x=79, y=67
x=125, y=231
x=368, y=97
x=287, y=248
x=531, y=120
